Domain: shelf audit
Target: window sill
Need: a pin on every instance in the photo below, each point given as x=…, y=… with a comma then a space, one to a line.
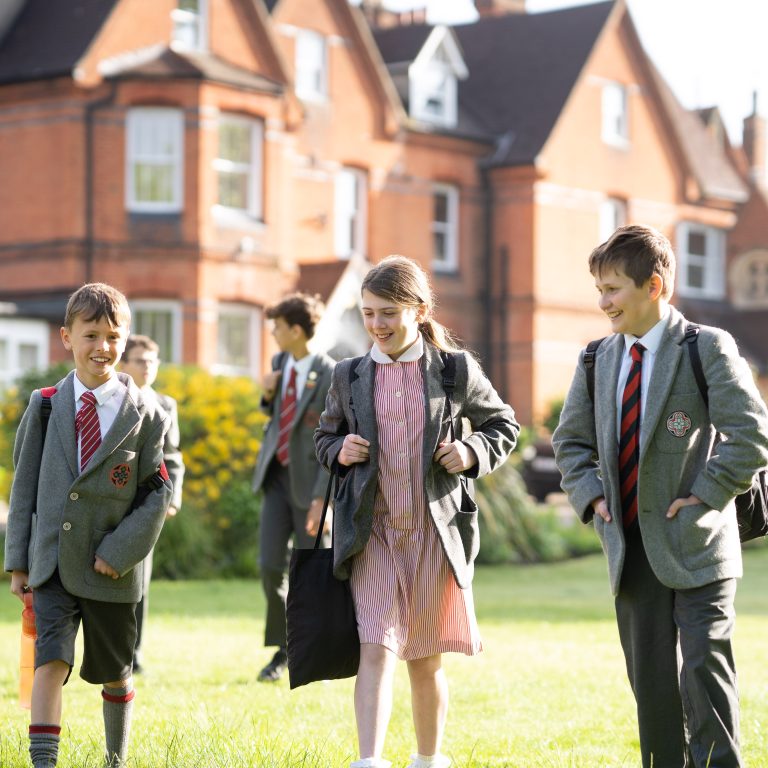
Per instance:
x=234, y=218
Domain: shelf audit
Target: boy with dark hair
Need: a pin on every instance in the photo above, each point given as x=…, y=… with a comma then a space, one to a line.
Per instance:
x=141, y=362
x=88, y=500
x=641, y=461
x=293, y=394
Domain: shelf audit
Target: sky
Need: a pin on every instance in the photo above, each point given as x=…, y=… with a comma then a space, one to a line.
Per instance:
x=712, y=52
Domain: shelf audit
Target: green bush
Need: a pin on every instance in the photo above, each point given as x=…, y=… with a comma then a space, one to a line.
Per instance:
x=513, y=528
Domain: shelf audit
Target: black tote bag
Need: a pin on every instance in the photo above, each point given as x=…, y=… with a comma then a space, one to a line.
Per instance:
x=323, y=643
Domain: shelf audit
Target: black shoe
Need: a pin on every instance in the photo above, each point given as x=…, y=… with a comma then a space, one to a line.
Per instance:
x=274, y=670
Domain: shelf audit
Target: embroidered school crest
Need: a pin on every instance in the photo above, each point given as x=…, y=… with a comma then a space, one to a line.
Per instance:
x=679, y=423
x=119, y=475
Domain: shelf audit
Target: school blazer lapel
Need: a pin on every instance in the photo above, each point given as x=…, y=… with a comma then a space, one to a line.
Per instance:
x=63, y=415
x=363, y=402
x=310, y=386
x=664, y=373
x=434, y=405
x=606, y=384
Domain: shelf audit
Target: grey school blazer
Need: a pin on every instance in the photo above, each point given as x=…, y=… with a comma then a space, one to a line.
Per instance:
x=308, y=478
x=701, y=544
x=59, y=517
x=493, y=437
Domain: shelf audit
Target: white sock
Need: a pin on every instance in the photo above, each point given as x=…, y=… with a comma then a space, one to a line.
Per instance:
x=430, y=761
x=370, y=762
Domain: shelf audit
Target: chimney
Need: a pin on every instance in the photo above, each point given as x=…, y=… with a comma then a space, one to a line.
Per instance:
x=499, y=7
x=379, y=17
x=755, y=140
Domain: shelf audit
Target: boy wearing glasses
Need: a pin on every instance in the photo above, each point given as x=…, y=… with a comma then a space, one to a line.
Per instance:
x=141, y=362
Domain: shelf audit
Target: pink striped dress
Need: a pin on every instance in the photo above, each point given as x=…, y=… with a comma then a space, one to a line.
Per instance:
x=405, y=595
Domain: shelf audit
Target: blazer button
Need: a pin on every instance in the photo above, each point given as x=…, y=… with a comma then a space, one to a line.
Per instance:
x=74, y=496
x=67, y=526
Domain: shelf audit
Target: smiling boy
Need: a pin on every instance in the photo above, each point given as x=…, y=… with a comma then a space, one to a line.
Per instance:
x=642, y=463
x=88, y=500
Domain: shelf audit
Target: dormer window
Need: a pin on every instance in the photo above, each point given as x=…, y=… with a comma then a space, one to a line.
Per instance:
x=311, y=66
x=433, y=79
x=615, y=117
x=190, y=25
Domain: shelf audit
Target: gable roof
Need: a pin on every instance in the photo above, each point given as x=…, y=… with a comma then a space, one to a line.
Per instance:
x=707, y=161
x=522, y=68
x=160, y=61
x=48, y=38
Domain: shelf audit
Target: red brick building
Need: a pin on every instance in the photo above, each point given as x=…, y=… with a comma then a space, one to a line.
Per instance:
x=205, y=156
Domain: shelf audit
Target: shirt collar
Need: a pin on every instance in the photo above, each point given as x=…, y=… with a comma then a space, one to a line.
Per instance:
x=414, y=352
x=302, y=366
x=101, y=393
x=650, y=340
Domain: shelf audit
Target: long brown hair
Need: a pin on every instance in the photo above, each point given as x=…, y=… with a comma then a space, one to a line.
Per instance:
x=402, y=281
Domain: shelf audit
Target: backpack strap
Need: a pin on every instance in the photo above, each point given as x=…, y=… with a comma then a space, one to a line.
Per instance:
x=449, y=385
x=692, y=338
x=45, y=408
x=589, y=365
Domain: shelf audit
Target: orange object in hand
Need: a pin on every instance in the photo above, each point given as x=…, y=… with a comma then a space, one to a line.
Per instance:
x=27, y=659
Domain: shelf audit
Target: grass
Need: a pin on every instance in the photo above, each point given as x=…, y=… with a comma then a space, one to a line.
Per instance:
x=549, y=690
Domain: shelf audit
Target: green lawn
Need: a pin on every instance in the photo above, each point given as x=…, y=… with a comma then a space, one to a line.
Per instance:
x=549, y=691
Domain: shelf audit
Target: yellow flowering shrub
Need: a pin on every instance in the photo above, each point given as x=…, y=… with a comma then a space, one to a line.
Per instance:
x=216, y=530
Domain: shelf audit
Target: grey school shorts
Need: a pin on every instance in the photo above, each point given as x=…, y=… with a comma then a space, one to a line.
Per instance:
x=109, y=632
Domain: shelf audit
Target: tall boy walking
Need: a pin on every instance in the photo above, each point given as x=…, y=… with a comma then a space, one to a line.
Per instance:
x=287, y=468
x=641, y=461
x=74, y=535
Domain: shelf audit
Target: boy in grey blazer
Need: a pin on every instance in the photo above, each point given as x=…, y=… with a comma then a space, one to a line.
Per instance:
x=662, y=503
x=292, y=479
x=88, y=500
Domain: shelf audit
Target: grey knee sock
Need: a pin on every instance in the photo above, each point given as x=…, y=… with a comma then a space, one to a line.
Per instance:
x=117, y=707
x=44, y=744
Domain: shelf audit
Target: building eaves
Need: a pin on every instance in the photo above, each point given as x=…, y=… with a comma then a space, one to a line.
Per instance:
x=162, y=62
x=48, y=38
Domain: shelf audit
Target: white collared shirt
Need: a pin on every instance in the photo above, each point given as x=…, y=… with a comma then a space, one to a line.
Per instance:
x=303, y=368
x=107, y=405
x=414, y=352
x=651, y=341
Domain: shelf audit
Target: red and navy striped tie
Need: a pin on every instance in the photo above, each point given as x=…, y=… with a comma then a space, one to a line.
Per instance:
x=629, y=442
x=87, y=428
x=287, y=412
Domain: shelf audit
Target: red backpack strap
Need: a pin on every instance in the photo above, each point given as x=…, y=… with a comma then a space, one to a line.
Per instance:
x=48, y=391
x=45, y=407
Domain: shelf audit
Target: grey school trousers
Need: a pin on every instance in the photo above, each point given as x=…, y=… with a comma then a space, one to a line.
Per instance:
x=677, y=645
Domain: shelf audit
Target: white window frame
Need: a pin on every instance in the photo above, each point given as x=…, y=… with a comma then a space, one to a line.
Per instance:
x=185, y=20
x=254, y=169
x=170, y=307
x=712, y=262
x=449, y=228
x=434, y=81
x=613, y=214
x=254, y=320
x=138, y=120
x=17, y=333
x=311, y=63
x=350, y=213
x=615, y=114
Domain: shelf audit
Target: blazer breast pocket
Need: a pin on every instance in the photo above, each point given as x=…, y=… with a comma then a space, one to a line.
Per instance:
x=680, y=423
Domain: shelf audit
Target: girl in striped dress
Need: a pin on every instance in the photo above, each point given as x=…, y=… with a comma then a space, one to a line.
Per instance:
x=404, y=534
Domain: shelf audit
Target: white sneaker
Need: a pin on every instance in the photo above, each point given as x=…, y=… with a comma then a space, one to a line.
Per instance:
x=370, y=762
x=433, y=761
